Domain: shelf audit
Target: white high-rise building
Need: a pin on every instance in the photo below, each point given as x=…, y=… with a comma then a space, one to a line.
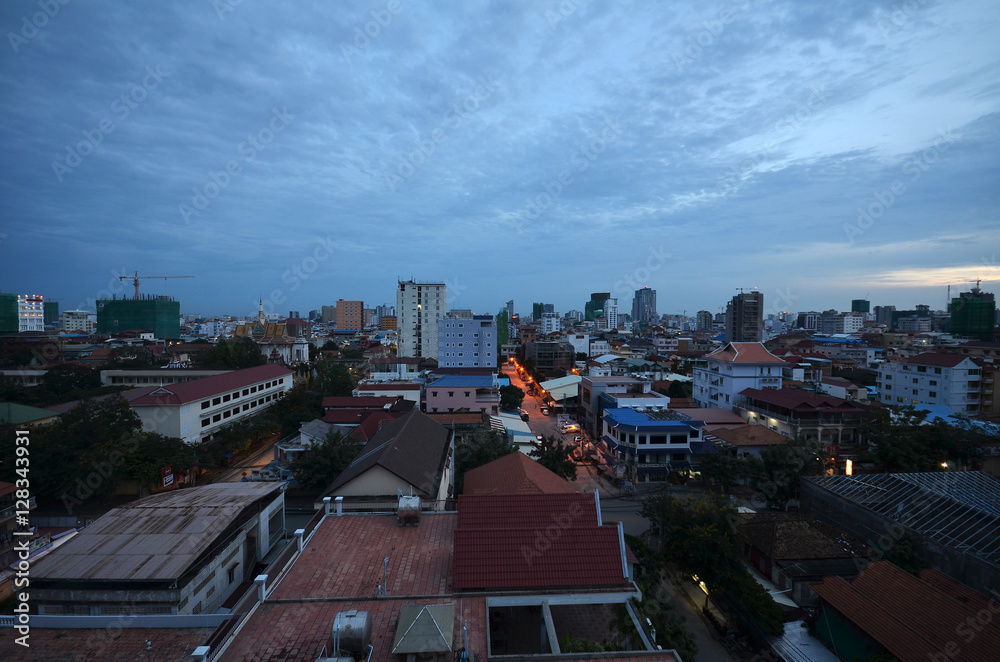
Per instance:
x=419, y=306
x=467, y=341
x=611, y=313
x=551, y=322
x=30, y=313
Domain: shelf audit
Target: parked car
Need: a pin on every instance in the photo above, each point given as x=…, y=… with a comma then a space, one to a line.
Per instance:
x=577, y=439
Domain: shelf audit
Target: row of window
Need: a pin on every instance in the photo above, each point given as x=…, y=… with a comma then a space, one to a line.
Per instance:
x=223, y=415
x=631, y=438
x=236, y=394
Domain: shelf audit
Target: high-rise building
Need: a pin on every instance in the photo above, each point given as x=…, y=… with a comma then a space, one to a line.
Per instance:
x=350, y=315
x=703, y=319
x=861, y=306
x=745, y=317
x=294, y=314
x=611, y=313
x=536, y=311
x=510, y=310
x=644, y=306
x=596, y=303
x=467, y=341
x=8, y=313
x=51, y=312
x=30, y=313
x=329, y=314
x=883, y=315
x=419, y=306
x=550, y=322
x=973, y=315
x=159, y=314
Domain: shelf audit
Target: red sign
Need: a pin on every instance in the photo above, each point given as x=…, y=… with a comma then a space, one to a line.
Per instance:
x=168, y=470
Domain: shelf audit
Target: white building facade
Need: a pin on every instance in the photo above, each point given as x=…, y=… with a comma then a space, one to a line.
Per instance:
x=737, y=366
x=419, y=306
x=932, y=379
x=30, y=312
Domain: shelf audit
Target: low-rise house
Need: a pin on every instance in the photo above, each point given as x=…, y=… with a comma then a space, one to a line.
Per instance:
x=745, y=440
x=832, y=422
x=515, y=473
x=471, y=393
x=177, y=552
x=643, y=446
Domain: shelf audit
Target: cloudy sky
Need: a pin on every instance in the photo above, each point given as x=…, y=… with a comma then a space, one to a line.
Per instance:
x=540, y=151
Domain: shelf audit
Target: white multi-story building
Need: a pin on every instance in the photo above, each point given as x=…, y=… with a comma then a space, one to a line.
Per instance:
x=932, y=379
x=550, y=323
x=419, y=306
x=580, y=342
x=78, y=321
x=467, y=342
x=611, y=313
x=737, y=366
x=195, y=410
x=30, y=313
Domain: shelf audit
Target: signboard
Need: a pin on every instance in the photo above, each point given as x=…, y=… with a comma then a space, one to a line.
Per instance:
x=168, y=475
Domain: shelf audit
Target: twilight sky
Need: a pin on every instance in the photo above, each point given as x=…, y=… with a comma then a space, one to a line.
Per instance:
x=540, y=151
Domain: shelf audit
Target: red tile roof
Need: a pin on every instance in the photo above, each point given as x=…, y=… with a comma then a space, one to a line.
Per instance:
x=515, y=473
x=793, y=398
x=751, y=435
x=371, y=423
x=117, y=642
x=939, y=359
x=198, y=389
x=344, y=558
x=484, y=511
x=537, y=558
x=914, y=619
x=744, y=352
x=366, y=402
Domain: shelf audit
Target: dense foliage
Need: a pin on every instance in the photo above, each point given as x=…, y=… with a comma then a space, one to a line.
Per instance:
x=481, y=448
x=320, y=465
x=552, y=454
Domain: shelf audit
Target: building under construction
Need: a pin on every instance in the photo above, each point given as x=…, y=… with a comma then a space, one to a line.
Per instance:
x=149, y=312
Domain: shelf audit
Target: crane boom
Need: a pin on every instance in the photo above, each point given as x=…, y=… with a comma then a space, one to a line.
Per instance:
x=135, y=280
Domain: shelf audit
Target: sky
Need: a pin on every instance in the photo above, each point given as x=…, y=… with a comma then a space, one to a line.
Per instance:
x=303, y=152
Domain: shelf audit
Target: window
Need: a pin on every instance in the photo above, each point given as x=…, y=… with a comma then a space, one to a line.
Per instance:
x=937, y=371
x=204, y=405
x=225, y=398
x=451, y=394
x=216, y=401
x=921, y=368
x=205, y=422
x=217, y=418
x=915, y=381
x=933, y=382
x=914, y=391
x=466, y=394
x=933, y=394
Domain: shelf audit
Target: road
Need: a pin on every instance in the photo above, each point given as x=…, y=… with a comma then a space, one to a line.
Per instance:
x=255, y=460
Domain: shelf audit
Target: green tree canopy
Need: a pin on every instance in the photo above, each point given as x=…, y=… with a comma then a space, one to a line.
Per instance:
x=231, y=354
x=511, y=397
x=775, y=475
x=333, y=379
x=66, y=378
x=320, y=465
x=554, y=456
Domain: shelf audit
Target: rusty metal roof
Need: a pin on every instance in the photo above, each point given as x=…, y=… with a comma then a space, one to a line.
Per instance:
x=156, y=538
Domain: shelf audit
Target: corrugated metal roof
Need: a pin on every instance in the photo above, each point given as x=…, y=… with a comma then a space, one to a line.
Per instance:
x=153, y=539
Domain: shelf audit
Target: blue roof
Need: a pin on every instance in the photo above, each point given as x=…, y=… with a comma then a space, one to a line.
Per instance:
x=637, y=420
x=460, y=381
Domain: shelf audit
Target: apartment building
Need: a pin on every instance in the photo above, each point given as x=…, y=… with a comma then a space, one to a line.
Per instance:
x=933, y=379
x=419, y=306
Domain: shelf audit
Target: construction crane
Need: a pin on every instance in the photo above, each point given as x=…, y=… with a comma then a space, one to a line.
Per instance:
x=135, y=280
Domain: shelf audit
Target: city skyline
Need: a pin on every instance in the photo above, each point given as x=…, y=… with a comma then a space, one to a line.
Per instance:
x=818, y=153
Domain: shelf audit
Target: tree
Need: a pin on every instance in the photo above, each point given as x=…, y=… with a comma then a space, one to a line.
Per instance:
x=234, y=354
x=554, y=456
x=320, y=465
x=297, y=406
x=333, y=379
x=775, y=475
x=679, y=389
x=66, y=378
x=481, y=448
x=511, y=397
x=907, y=552
x=582, y=356
x=721, y=470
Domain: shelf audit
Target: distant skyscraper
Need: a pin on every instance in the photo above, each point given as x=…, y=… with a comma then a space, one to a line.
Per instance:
x=294, y=313
x=8, y=313
x=973, y=315
x=644, y=306
x=745, y=317
x=883, y=315
x=704, y=319
x=329, y=313
x=861, y=306
x=595, y=304
x=419, y=306
x=536, y=311
x=510, y=310
x=611, y=312
x=350, y=315
x=30, y=313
